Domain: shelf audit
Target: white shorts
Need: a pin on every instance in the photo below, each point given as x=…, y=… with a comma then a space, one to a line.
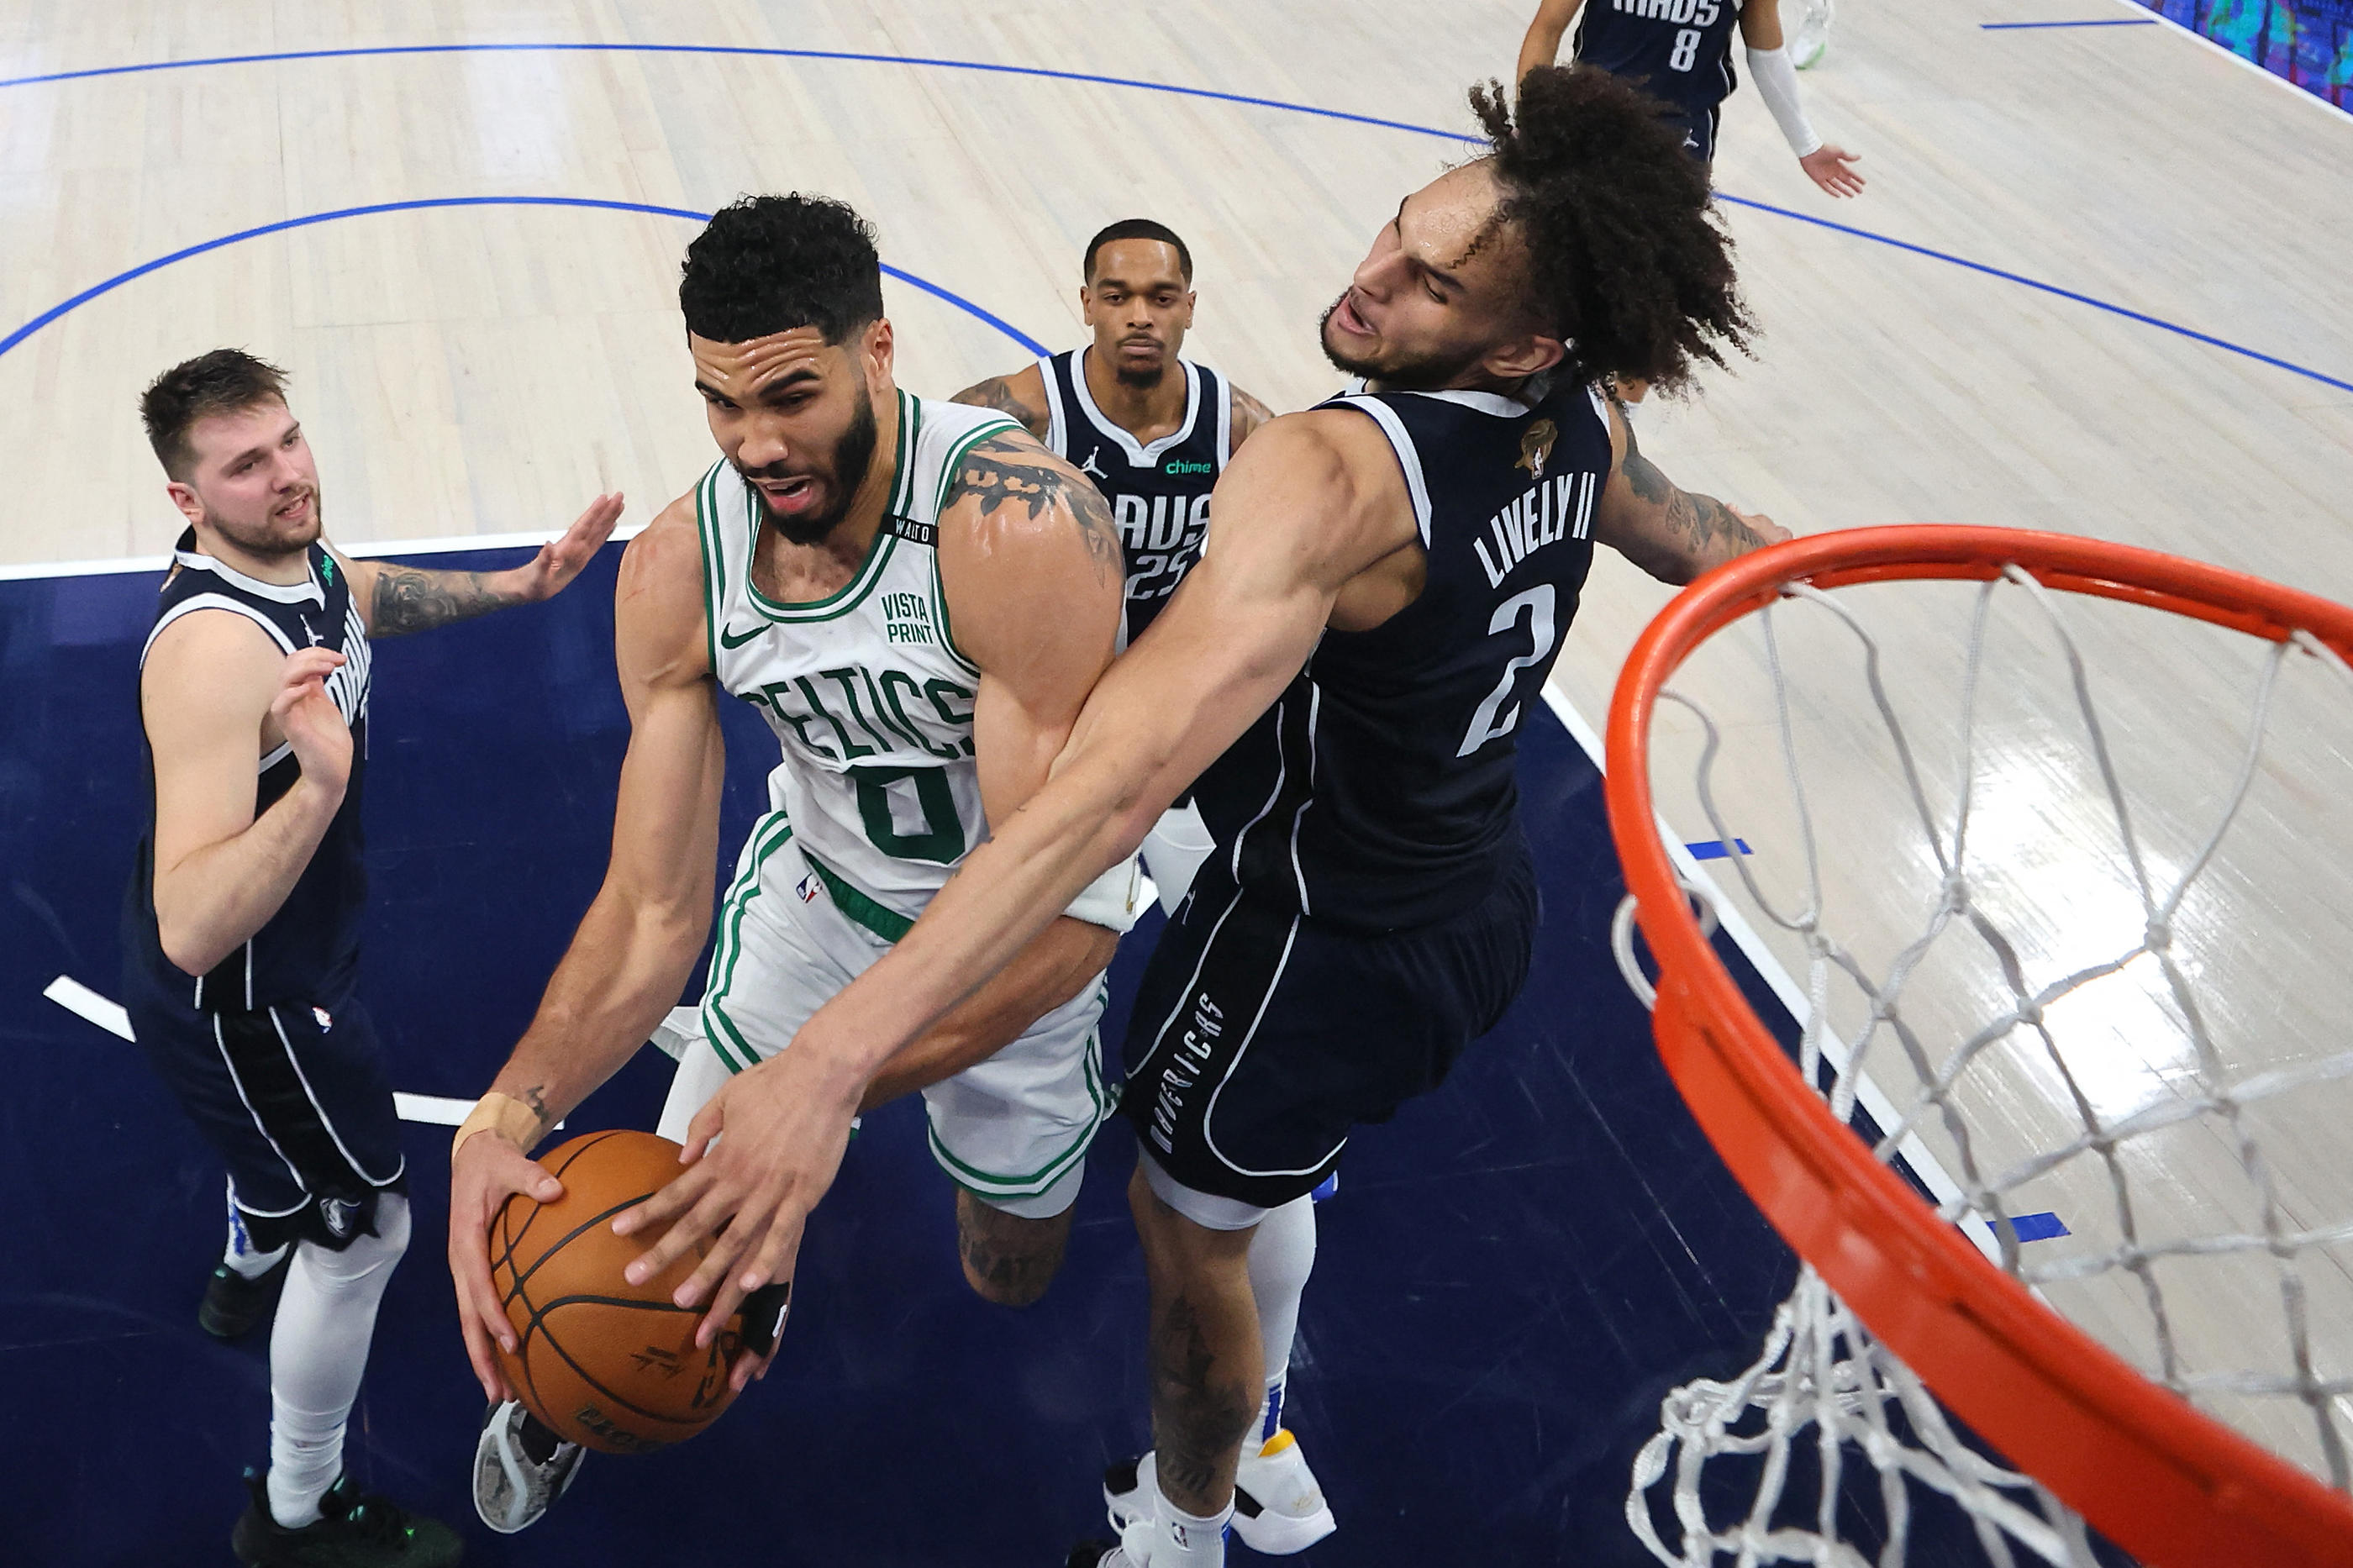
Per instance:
x=1012, y=1129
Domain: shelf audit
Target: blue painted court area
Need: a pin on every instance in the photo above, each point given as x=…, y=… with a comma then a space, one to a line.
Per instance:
x=1510, y=1276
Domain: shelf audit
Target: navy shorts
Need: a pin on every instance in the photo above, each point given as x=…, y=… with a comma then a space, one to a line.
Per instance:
x=296, y=1101
x=1260, y=1037
x=1698, y=130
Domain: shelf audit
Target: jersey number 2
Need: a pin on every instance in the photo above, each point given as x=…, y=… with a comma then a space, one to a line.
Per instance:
x=1494, y=720
x=1686, y=50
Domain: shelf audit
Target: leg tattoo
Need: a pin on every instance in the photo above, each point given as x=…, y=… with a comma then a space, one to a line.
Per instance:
x=1008, y=1259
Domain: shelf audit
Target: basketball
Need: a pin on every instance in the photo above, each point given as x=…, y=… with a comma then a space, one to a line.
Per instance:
x=605, y=1364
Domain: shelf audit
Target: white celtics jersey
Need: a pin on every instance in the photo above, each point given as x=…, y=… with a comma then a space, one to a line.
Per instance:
x=866, y=690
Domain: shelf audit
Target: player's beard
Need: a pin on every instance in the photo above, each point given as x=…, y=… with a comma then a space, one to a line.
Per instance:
x=1141, y=378
x=270, y=539
x=1424, y=372
x=853, y=455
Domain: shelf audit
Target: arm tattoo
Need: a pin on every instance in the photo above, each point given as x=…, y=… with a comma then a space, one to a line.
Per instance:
x=536, y=1098
x=410, y=600
x=996, y=393
x=1003, y=472
x=1701, y=527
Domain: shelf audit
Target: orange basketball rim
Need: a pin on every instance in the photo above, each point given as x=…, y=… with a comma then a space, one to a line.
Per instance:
x=2162, y=1480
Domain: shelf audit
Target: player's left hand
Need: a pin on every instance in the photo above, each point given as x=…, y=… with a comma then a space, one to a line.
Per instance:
x=750, y=1194
x=559, y=560
x=1826, y=165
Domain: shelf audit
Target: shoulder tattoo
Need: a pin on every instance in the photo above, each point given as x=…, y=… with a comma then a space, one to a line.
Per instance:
x=1000, y=472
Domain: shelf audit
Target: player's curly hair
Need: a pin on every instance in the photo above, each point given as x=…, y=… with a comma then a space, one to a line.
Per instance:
x=226, y=380
x=769, y=264
x=1627, y=262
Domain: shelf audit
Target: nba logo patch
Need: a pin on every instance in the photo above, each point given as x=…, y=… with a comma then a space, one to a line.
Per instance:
x=339, y=1214
x=326, y=1020
x=810, y=888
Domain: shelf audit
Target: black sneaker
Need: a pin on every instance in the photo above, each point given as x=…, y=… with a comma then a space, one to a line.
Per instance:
x=354, y=1530
x=233, y=1304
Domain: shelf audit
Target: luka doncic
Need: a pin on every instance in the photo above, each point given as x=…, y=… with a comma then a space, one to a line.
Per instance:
x=241, y=922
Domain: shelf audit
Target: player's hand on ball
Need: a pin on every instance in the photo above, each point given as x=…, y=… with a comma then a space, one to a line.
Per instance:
x=1826, y=165
x=748, y=1194
x=559, y=560
x=313, y=726
x=484, y=1172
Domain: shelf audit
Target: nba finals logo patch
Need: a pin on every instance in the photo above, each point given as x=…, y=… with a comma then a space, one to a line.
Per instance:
x=1536, y=447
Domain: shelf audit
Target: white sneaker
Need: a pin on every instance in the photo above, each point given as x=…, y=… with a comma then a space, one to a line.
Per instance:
x=1131, y=1550
x=1278, y=1507
x=512, y=1489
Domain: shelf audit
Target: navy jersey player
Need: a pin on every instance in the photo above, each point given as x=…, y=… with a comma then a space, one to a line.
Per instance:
x=1386, y=584
x=241, y=922
x=1152, y=428
x=1680, y=51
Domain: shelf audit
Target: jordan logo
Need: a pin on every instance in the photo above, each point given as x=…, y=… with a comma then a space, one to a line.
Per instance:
x=307, y=631
x=1089, y=466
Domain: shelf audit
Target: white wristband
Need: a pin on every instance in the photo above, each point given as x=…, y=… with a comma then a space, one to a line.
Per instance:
x=1115, y=899
x=1776, y=84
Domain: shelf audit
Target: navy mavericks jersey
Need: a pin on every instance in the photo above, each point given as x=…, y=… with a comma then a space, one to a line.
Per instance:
x=1378, y=793
x=1159, y=494
x=308, y=950
x=1677, y=51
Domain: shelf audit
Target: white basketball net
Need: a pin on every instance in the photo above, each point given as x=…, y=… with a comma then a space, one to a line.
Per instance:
x=1826, y=1405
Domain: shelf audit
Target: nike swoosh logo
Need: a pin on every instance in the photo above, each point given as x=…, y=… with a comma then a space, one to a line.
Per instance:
x=728, y=639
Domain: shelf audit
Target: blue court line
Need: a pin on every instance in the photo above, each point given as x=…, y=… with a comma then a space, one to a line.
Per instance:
x=2026, y=282
x=120, y=279
x=2034, y=1227
x=2101, y=22
x=1042, y=73
x=1713, y=849
x=741, y=50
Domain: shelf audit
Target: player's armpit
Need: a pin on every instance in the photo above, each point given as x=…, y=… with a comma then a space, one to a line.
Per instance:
x=1672, y=534
x=1021, y=395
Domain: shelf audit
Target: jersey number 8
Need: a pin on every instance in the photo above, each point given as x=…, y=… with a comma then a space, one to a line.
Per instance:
x=1686, y=50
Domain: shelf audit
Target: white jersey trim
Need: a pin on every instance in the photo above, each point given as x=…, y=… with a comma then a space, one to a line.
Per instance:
x=307, y=591
x=1138, y=454
x=215, y=602
x=1408, y=459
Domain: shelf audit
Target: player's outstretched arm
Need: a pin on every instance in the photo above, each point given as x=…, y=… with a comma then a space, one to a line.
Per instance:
x=1542, y=44
x=396, y=600
x=1021, y=395
x=630, y=957
x=1030, y=560
x=1776, y=77
x=1314, y=500
x=1671, y=533
x=213, y=692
